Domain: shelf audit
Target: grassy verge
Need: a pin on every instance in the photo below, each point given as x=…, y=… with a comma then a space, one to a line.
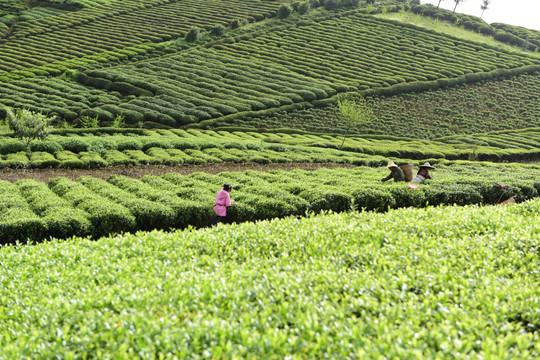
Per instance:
x=450, y=29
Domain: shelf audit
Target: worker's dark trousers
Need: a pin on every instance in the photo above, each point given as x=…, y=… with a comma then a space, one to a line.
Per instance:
x=217, y=220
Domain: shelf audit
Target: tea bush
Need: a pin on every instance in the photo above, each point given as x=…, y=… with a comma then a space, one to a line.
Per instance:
x=173, y=200
x=459, y=281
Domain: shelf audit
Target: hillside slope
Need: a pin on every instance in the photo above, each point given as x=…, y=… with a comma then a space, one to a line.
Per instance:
x=264, y=68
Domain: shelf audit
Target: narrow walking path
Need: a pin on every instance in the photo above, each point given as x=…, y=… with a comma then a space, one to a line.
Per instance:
x=142, y=170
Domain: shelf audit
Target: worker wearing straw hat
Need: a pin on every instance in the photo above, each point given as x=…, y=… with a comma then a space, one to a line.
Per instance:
x=395, y=172
x=423, y=173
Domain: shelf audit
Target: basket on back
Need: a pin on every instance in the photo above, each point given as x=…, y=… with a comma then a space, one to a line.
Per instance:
x=511, y=200
x=407, y=170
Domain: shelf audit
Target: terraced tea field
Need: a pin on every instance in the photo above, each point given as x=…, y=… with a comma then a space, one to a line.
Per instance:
x=105, y=245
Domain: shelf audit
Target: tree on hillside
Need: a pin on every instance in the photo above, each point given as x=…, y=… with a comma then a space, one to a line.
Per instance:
x=193, y=34
x=285, y=10
x=457, y=3
x=331, y=4
x=28, y=125
x=484, y=7
x=354, y=112
x=439, y=4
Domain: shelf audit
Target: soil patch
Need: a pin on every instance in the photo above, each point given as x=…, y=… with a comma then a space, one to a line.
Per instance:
x=14, y=175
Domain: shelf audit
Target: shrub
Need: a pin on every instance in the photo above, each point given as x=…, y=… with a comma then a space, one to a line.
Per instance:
x=61, y=113
x=485, y=29
x=303, y=8
x=8, y=146
x=46, y=146
x=64, y=222
x=73, y=144
x=132, y=117
x=105, y=215
x=327, y=198
x=349, y=3
x=192, y=35
x=69, y=160
x=373, y=199
x=331, y=4
x=149, y=215
x=91, y=117
x=115, y=157
x=129, y=89
x=92, y=159
x=21, y=226
x=16, y=160
x=28, y=125
x=284, y=11
x=3, y=29
x=128, y=144
x=98, y=83
x=217, y=30
x=456, y=194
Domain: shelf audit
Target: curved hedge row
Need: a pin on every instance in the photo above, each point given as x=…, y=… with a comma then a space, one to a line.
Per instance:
x=363, y=51
x=286, y=67
x=116, y=25
x=203, y=84
x=304, y=64
x=166, y=148
x=58, y=97
x=91, y=149
x=32, y=210
x=508, y=103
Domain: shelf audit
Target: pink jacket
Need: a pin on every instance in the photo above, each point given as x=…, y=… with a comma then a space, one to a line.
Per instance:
x=223, y=201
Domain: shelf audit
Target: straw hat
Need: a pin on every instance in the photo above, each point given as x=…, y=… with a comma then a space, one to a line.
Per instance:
x=427, y=165
x=391, y=164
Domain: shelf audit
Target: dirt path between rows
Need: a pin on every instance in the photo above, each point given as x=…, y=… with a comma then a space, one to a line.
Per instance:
x=142, y=170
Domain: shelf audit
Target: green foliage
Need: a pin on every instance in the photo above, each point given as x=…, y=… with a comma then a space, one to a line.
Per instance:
x=8, y=146
x=124, y=204
x=192, y=35
x=433, y=271
x=88, y=122
x=235, y=24
x=303, y=7
x=285, y=10
x=119, y=121
x=28, y=125
x=282, y=145
x=505, y=104
x=217, y=30
x=349, y=3
x=225, y=80
x=528, y=39
x=354, y=112
x=97, y=41
x=105, y=216
x=331, y=4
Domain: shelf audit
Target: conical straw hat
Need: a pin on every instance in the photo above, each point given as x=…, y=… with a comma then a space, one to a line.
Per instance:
x=427, y=165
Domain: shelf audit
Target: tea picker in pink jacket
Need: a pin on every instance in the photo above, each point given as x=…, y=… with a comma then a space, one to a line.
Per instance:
x=223, y=201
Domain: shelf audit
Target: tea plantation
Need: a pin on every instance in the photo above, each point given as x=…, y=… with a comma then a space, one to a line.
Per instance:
x=311, y=262
x=442, y=282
